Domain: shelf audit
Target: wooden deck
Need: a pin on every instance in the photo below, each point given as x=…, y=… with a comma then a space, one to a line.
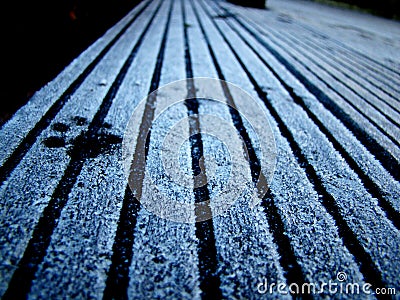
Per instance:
x=71, y=228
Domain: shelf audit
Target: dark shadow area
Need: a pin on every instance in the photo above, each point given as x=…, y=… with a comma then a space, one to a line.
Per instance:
x=42, y=37
x=385, y=8
x=250, y=3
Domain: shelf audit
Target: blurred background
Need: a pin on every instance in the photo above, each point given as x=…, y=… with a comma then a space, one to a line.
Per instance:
x=385, y=8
